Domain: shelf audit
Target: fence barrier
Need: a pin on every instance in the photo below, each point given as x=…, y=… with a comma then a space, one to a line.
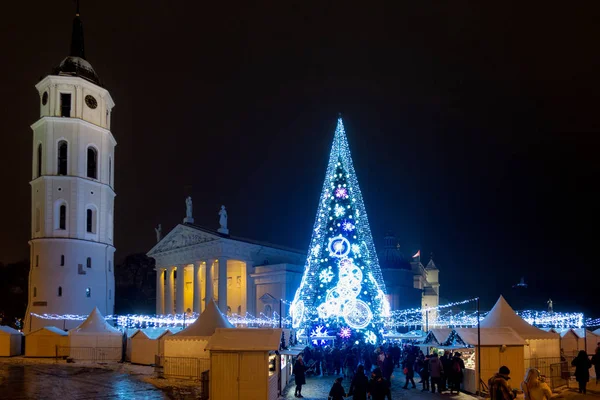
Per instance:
x=183, y=367
x=90, y=353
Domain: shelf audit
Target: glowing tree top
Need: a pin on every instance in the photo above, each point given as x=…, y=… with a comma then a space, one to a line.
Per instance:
x=342, y=285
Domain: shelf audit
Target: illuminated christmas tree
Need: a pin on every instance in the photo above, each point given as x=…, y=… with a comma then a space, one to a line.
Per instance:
x=342, y=286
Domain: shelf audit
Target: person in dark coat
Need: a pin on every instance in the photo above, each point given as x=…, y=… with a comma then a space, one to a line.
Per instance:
x=596, y=362
x=446, y=360
x=582, y=370
x=409, y=366
x=424, y=373
x=396, y=355
x=368, y=363
x=388, y=366
x=379, y=388
x=299, y=377
x=350, y=364
x=455, y=374
x=359, y=385
x=337, y=391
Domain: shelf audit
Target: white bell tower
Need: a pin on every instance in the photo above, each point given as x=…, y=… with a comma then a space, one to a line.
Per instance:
x=72, y=192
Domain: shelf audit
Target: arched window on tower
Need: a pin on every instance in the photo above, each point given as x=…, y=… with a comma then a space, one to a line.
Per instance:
x=90, y=223
x=39, y=160
x=34, y=291
x=60, y=291
x=62, y=217
x=88, y=262
x=62, y=260
x=110, y=171
x=92, y=163
x=63, y=149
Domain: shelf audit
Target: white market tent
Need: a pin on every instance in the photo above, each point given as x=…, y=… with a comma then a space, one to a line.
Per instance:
x=95, y=339
x=45, y=342
x=499, y=346
x=10, y=341
x=191, y=341
x=540, y=344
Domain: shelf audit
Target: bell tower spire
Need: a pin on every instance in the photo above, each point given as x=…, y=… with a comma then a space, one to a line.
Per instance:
x=77, y=46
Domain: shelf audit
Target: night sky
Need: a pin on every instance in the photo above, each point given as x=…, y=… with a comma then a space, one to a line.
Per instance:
x=473, y=127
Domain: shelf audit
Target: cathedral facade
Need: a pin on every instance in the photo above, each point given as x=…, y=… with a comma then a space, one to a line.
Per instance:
x=196, y=264
x=72, y=191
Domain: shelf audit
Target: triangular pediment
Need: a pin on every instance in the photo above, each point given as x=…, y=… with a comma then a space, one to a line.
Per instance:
x=182, y=236
x=267, y=298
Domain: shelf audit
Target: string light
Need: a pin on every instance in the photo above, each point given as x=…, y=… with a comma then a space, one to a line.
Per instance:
x=396, y=319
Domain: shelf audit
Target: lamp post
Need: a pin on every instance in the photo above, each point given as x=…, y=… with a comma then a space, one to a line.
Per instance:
x=478, y=349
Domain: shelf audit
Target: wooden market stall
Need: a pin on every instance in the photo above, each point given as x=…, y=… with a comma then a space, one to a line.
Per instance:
x=45, y=342
x=244, y=364
x=498, y=347
x=569, y=342
x=10, y=341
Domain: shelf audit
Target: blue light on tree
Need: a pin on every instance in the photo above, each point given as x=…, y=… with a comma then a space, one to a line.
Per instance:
x=342, y=285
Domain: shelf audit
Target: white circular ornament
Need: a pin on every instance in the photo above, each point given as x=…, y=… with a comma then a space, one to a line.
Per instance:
x=360, y=316
x=339, y=247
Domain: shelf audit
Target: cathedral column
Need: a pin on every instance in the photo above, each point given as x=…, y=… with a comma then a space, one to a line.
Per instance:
x=179, y=304
x=197, y=289
x=222, y=301
x=160, y=291
x=250, y=289
x=208, y=284
x=169, y=301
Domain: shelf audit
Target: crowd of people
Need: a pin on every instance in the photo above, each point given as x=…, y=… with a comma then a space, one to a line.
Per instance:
x=369, y=369
x=534, y=386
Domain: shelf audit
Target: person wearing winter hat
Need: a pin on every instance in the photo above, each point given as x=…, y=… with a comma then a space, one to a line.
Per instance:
x=499, y=387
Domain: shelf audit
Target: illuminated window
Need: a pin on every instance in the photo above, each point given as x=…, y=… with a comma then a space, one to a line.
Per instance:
x=88, y=292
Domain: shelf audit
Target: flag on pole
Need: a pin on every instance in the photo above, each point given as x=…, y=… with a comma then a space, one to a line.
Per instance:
x=417, y=255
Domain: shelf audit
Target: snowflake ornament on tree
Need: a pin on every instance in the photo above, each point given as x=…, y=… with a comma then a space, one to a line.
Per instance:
x=342, y=282
x=341, y=193
x=326, y=276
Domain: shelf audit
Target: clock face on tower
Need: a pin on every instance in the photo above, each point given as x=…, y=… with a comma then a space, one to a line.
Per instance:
x=91, y=101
